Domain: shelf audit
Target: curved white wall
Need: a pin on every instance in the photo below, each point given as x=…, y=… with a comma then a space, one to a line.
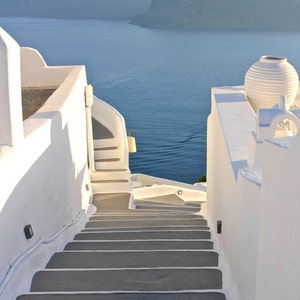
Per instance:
x=115, y=123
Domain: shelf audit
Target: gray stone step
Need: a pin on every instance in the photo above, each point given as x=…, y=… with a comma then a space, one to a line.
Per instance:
x=138, y=245
x=148, y=214
x=111, y=181
x=182, y=205
x=129, y=296
x=177, y=202
x=147, y=228
x=167, y=208
x=109, y=186
x=172, y=279
x=113, y=163
x=101, y=153
x=144, y=235
x=136, y=216
x=160, y=251
x=145, y=222
x=112, y=203
x=112, y=175
x=132, y=259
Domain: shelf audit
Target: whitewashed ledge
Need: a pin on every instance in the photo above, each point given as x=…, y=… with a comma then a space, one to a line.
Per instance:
x=238, y=121
x=284, y=142
x=253, y=174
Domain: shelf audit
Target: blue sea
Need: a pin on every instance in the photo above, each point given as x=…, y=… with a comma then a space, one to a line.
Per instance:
x=160, y=80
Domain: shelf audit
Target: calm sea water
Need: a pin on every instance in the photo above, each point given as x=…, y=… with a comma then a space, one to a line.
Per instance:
x=159, y=80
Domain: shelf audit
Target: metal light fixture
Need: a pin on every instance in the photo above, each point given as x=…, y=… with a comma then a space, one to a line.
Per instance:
x=219, y=227
x=28, y=231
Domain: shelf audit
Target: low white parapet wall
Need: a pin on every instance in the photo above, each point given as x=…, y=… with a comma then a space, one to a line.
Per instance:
x=36, y=73
x=149, y=186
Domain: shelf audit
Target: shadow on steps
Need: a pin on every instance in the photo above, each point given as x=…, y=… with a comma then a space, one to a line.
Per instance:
x=107, y=203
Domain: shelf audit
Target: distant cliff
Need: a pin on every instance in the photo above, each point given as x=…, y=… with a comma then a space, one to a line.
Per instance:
x=98, y=9
x=222, y=14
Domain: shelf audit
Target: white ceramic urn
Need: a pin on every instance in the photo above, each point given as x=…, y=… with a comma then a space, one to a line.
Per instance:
x=269, y=79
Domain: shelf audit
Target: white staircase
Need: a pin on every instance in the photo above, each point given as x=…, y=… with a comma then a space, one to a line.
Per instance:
x=111, y=163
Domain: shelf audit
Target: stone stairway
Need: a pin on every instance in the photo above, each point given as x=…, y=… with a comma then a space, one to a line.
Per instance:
x=111, y=174
x=161, y=250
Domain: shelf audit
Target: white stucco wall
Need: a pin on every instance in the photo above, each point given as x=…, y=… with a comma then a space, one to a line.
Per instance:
x=278, y=270
x=248, y=199
x=257, y=201
x=11, y=125
x=36, y=73
x=43, y=183
x=221, y=199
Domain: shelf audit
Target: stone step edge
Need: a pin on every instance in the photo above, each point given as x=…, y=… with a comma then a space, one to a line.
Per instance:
x=134, y=217
x=138, y=251
x=123, y=229
x=163, y=205
x=143, y=213
x=133, y=222
x=202, y=227
x=142, y=240
x=220, y=291
x=128, y=269
x=146, y=219
x=144, y=231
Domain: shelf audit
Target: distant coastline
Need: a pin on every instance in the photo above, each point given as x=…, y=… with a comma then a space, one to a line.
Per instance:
x=167, y=14
x=74, y=9
x=220, y=14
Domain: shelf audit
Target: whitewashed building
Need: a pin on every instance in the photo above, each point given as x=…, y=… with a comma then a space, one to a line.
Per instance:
x=253, y=195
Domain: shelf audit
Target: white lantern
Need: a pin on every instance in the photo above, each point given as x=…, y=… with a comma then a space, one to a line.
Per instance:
x=131, y=144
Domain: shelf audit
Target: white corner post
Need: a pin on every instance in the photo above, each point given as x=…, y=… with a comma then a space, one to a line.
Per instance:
x=89, y=128
x=11, y=119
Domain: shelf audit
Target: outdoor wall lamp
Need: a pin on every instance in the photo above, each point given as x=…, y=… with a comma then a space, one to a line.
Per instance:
x=219, y=227
x=131, y=142
x=28, y=231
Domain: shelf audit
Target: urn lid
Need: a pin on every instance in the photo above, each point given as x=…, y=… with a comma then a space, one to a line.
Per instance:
x=272, y=58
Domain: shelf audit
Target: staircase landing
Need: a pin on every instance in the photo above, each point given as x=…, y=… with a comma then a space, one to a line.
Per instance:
x=162, y=250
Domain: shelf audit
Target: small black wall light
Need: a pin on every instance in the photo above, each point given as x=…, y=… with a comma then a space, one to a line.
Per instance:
x=28, y=231
x=219, y=227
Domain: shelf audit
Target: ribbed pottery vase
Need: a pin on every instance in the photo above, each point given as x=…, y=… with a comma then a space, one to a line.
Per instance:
x=268, y=79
